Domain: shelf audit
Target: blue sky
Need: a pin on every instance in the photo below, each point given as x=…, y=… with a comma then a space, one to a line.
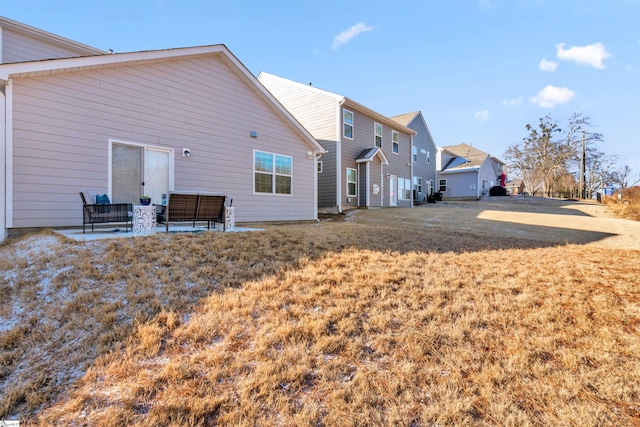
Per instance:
x=479, y=70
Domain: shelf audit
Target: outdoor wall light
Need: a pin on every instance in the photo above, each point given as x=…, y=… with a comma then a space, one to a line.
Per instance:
x=309, y=154
x=186, y=152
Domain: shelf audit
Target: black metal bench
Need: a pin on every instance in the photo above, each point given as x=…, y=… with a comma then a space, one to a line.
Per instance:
x=98, y=213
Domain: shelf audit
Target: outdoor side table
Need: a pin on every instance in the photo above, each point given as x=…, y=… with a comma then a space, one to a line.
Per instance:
x=144, y=220
x=229, y=218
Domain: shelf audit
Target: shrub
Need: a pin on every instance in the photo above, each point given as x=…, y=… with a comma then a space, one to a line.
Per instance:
x=497, y=191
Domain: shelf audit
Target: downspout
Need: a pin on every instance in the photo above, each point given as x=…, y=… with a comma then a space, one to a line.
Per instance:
x=339, y=157
x=478, y=186
x=411, y=163
x=3, y=161
x=316, y=156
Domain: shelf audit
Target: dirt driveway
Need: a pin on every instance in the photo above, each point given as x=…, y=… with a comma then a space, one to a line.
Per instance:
x=548, y=220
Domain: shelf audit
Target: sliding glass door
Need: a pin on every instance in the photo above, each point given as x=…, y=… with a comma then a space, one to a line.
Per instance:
x=138, y=170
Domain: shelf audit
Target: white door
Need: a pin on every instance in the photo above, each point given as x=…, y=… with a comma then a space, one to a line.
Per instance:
x=138, y=170
x=393, y=191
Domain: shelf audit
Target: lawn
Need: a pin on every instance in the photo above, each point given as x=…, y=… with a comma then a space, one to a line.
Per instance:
x=336, y=323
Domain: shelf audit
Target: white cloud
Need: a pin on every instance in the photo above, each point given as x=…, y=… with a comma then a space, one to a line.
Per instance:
x=550, y=96
x=347, y=35
x=512, y=102
x=486, y=4
x=591, y=55
x=482, y=115
x=548, y=65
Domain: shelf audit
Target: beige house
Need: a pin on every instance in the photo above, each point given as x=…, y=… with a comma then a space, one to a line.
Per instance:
x=368, y=163
x=189, y=119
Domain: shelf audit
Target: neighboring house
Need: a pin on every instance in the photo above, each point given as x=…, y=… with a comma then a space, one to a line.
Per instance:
x=464, y=172
x=368, y=160
x=20, y=43
x=192, y=119
x=515, y=187
x=423, y=155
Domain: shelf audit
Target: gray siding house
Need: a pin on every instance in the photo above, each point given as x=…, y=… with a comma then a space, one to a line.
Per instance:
x=423, y=155
x=20, y=43
x=368, y=161
x=466, y=173
x=189, y=119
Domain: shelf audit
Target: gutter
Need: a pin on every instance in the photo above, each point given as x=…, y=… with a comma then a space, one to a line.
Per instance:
x=3, y=162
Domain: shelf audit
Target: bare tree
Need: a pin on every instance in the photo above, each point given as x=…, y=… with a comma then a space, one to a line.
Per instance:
x=548, y=153
x=621, y=177
x=540, y=157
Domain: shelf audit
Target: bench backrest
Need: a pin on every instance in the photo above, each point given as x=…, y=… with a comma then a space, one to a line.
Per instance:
x=182, y=206
x=210, y=207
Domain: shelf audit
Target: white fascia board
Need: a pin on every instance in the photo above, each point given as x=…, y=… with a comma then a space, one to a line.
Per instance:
x=3, y=162
x=40, y=34
x=48, y=66
x=454, y=171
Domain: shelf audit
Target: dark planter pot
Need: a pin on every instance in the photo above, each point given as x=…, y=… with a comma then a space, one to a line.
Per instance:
x=145, y=202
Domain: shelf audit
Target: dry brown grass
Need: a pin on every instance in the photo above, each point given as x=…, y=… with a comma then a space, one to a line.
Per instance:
x=334, y=323
x=630, y=209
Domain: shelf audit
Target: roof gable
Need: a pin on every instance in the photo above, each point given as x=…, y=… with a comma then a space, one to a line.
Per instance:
x=52, y=66
x=39, y=34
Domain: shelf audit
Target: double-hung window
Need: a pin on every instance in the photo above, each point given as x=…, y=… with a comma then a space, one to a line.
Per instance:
x=377, y=139
x=347, y=123
x=414, y=151
x=443, y=185
x=395, y=140
x=404, y=189
x=352, y=182
x=272, y=173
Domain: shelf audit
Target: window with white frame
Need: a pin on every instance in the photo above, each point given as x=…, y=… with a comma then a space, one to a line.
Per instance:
x=352, y=182
x=395, y=139
x=404, y=189
x=272, y=173
x=417, y=184
x=347, y=123
x=407, y=189
x=442, y=185
x=319, y=166
x=428, y=156
x=377, y=139
x=414, y=150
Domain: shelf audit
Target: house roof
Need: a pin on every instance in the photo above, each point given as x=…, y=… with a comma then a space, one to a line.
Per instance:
x=368, y=154
x=37, y=33
x=405, y=119
x=466, y=150
x=350, y=103
x=53, y=66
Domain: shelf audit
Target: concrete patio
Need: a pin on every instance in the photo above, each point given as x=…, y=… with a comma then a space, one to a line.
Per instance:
x=116, y=231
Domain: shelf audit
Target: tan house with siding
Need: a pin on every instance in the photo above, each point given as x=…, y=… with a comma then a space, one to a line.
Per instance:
x=368, y=163
x=188, y=119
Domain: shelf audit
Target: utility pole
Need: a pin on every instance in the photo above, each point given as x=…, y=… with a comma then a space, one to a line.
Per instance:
x=583, y=167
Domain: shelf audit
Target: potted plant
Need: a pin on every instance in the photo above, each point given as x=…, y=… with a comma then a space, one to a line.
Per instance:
x=145, y=200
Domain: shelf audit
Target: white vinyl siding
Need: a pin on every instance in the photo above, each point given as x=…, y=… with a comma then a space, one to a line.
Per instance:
x=347, y=124
x=377, y=138
x=64, y=121
x=18, y=47
x=314, y=109
x=395, y=140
